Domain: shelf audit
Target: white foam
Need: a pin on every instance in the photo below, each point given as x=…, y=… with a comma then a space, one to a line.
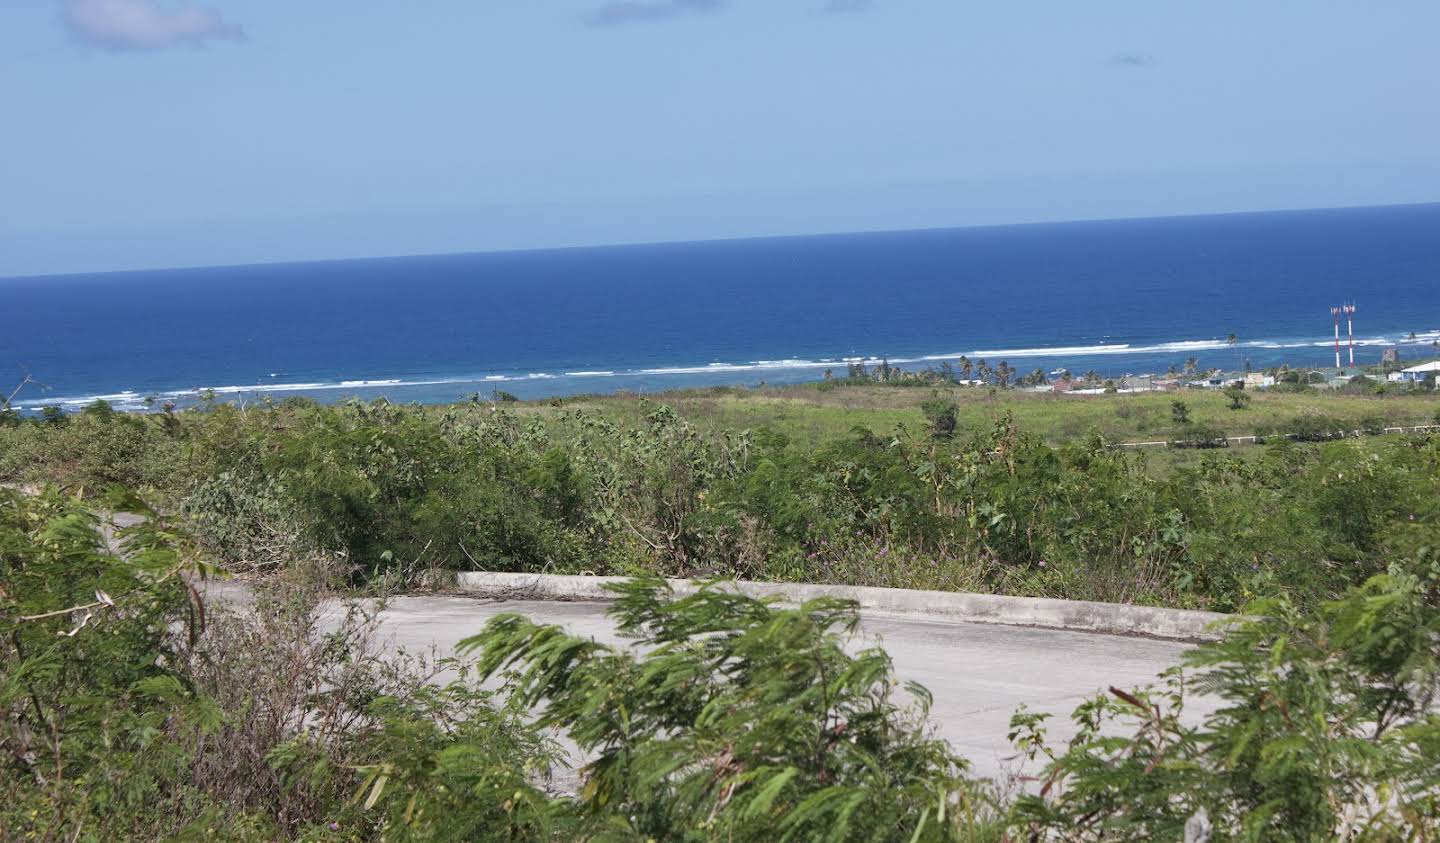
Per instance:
x=129, y=398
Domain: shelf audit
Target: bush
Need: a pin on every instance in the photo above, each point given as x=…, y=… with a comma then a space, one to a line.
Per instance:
x=1325, y=729
x=1238, y=397
x=90, y=678
x=1201, y=436
x=941, y=414
x=389, y=496
x=134, y=710
x=1314, y=428
x=736, y=720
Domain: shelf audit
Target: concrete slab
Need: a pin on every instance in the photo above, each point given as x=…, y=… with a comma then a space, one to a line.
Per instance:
x=978, y=673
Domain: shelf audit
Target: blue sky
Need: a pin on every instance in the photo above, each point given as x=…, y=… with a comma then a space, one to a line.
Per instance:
x=146, y=133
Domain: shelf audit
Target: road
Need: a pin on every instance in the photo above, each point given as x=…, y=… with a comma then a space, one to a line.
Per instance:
x=978, y=673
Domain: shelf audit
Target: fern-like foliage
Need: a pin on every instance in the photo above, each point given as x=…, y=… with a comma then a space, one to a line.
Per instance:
x=731, y=718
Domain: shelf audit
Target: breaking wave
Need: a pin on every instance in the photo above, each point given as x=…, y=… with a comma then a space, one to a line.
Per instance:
x=130, y=399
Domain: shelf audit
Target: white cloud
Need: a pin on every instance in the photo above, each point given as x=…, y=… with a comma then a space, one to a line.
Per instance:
x=145, y=24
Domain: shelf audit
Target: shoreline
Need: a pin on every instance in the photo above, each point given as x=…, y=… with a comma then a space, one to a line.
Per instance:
x=1117, y=360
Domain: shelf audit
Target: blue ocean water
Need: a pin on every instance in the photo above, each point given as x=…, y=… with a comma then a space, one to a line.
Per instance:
x=1115, y=296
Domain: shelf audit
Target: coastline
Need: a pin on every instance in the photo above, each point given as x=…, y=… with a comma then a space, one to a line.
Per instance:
x=1114, y=360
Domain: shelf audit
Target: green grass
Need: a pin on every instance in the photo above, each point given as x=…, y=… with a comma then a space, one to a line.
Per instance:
x=811, y=416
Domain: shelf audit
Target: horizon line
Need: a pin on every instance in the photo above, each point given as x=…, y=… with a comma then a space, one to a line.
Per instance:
x=705, y=240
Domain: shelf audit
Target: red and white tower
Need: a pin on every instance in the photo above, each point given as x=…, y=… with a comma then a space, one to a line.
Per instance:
x=1335, y=312
x=1350, y=326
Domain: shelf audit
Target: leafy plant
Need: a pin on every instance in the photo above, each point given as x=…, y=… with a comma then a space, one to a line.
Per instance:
x=1324, y=729
x=733, y=719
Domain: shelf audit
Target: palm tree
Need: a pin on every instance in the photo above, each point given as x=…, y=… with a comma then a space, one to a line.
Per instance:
x=982, y=369
x=1234, y=343
x=1003, y=372
x=966, y=367
x=1191, y=363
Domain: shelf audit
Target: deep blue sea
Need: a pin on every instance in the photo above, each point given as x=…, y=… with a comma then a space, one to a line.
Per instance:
x=1119, y=296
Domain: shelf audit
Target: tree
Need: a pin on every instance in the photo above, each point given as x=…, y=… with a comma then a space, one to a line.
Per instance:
x=1191, y=364
x=1179, y=412
x=1003, y=373
x=941, y=415
x=1239, y=398
x=966, y=367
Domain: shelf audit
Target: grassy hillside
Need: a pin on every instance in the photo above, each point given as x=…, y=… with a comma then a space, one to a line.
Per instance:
x=811, y=416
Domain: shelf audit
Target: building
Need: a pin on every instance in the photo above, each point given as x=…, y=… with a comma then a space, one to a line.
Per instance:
x=1218, y=381
x=1258, y=380
x=1418, y=374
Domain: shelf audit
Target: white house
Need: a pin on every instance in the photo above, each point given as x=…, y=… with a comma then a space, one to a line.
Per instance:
x=1417, y=374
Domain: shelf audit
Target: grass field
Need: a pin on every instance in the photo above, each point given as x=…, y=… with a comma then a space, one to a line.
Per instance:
x=809, y=415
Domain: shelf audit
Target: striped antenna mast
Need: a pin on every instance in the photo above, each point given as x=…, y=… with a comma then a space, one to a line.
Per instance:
x=1335, y=312
x=1350, y=326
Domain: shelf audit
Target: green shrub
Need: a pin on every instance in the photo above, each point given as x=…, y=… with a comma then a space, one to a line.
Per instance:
x=736, y=720
x=1201, y=436
x=1325, y=730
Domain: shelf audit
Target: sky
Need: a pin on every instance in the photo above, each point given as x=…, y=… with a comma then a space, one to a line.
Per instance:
x=158, y=133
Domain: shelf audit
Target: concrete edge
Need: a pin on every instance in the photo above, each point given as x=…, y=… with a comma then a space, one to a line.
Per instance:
x=1045, y=613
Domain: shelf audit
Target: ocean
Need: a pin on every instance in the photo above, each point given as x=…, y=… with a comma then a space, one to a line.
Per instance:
x=1126, y=296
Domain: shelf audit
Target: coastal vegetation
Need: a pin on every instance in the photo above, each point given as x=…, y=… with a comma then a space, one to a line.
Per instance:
x=945, y=491
x=135, y=708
